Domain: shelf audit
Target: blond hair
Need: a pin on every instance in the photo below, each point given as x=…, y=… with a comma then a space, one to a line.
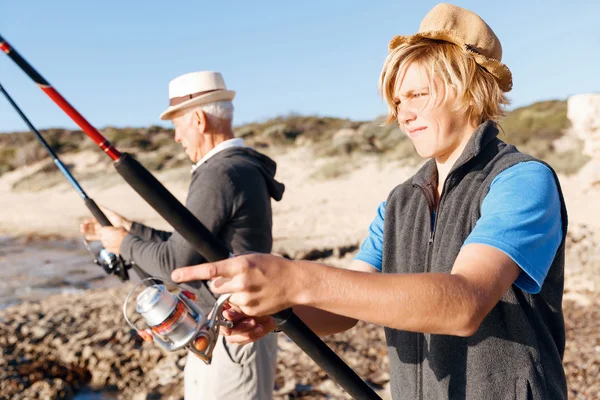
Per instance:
x=478, y=94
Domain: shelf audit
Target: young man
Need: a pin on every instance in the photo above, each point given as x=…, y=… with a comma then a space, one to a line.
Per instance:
x=464, y=262
x=230, y=193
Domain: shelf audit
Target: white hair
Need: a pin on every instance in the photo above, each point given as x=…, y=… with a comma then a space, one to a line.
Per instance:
x=219, y=109
x=218, y=113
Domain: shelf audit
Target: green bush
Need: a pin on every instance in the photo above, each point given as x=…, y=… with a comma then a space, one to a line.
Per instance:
x=535, y=128
x=565, y=162
x=545, y=120
x=7, y=155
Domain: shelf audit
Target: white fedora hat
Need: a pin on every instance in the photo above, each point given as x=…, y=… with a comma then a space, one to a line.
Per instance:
x=194, y=89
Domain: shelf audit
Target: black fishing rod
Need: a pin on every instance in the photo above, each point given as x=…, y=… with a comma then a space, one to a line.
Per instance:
x=111, y=263
x=188, y=226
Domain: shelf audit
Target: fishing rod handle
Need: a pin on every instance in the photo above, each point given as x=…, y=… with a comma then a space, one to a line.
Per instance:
x=96, y=212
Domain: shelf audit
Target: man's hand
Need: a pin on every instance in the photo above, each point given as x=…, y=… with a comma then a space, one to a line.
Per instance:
x=112, y=238
x=260, y=284
x=91, y=228
x=245, y=329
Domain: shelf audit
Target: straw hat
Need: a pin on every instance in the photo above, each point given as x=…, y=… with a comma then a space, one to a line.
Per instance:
x=194, y=89
x=466, y=29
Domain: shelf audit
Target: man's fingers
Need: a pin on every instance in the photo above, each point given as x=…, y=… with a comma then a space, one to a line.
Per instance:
x=224, y=331
x=226, y=285
x=89, y=230
x=242, y=327
x=225, y=268
x=193, y=273
x=248, y=337
x=268, y=323
x=233, y=316
x=88, y=226
x=106, y=230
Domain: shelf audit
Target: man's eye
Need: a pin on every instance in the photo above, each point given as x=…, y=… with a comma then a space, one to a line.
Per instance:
x=419, y=94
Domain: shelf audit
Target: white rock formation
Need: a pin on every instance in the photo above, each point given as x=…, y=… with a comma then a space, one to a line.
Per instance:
x=583, y=110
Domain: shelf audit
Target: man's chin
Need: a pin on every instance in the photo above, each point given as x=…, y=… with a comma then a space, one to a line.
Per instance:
x=192, y=158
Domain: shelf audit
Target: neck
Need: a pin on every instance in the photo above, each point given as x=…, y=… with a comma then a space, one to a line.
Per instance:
x=445, y=162
x=213, y=140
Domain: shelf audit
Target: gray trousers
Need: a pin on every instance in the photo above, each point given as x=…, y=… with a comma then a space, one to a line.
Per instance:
x=236, y=372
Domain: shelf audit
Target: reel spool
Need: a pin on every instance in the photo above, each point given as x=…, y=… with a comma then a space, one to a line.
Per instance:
x=175, y=321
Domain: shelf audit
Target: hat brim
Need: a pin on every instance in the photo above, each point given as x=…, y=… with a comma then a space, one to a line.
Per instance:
x=211, y=97
x=496, y=68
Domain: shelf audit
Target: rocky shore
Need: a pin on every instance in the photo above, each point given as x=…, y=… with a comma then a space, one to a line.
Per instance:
x=54, y=348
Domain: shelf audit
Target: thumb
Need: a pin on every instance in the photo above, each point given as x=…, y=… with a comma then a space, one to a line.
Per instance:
x=110, y=213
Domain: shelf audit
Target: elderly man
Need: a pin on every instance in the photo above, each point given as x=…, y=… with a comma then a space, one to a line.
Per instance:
x=230, y=193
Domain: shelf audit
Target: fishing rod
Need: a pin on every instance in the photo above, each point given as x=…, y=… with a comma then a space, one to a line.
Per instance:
x=188, y=226
x=111, y=263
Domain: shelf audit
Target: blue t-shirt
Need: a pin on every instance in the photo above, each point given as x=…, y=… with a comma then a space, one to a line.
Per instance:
x=520, y=216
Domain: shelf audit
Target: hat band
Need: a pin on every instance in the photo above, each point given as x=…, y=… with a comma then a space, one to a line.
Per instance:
x=178, y=100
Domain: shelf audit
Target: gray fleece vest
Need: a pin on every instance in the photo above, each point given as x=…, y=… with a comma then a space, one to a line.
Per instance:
x=517, y=351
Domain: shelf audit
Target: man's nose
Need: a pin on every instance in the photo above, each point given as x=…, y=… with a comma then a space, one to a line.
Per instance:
x=406, y=115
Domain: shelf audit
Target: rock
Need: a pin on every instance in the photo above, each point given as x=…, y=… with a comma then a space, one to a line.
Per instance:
x=577, y=233
x=38, y=332
x=589, y=174
x=141, y=395
x=166, y=372
x=181, y=362
x=23, y=330
x=56, y=389
x=87, y=353
x=583, y=110
x=380, y=378
x=103, y=336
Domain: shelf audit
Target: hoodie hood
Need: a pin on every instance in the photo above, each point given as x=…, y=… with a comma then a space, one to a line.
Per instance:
x=263, y=163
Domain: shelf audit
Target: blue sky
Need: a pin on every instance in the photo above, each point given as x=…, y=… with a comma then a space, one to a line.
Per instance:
x=113, y=59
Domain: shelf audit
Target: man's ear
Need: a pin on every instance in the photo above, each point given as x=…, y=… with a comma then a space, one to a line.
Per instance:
x=201, y=120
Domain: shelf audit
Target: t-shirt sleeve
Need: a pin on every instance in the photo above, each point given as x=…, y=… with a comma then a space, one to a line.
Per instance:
x=371, y=249
x=521, y=216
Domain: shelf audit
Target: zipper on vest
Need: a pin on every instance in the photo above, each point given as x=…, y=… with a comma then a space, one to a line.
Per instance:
x=424, y=338
x=434, y=214
x=432, y=218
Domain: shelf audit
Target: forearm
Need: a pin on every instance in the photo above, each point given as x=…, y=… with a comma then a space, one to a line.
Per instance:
x=152, y=256
x=324, y=323
x=159, y=258
x=147, y=233
x=432, y=303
